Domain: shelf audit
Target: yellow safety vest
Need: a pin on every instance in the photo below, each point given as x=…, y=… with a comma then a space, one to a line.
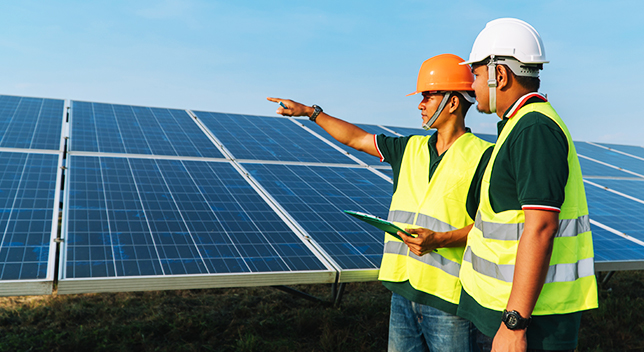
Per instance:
x=439, y=205
x=488, y=263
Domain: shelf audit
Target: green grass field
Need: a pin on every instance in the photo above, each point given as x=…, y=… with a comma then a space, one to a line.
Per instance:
x=261, y=319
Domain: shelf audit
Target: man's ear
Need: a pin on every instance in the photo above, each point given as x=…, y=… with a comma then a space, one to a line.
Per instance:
x=502, y=77
x=454, y=103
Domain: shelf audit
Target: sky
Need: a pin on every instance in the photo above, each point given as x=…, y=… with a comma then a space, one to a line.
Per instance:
x=356, y=59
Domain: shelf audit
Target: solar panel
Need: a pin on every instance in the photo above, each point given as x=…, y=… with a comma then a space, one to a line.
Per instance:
x=363, y=157
x=614, y=252
x=614, y=210
x=112, y=128
x=594, y=169
x=315, y=197
x=630, y=149
x=633, y=188
x=30, y=123
x=165, y=219
x=407, y=131
x=268, y=138
x=28, y=199
x=589, y=150
x=150, y=202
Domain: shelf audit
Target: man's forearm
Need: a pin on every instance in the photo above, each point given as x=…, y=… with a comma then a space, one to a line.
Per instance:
x=532, y=260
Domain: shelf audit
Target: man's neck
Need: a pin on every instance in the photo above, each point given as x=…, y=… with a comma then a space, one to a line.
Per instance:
x=447, y=135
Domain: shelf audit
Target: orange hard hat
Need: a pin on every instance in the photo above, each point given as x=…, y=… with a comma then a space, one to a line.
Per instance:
x=443, y=73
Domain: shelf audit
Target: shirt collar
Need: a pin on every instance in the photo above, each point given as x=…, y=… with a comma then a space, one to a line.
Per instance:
x=529, y=98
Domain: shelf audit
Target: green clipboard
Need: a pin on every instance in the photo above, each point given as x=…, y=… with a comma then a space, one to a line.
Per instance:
x=384, y=225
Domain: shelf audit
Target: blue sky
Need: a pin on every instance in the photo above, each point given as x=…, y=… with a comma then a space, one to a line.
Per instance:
x=356, y=59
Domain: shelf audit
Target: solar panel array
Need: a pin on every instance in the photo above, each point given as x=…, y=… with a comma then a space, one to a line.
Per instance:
x=158, y=198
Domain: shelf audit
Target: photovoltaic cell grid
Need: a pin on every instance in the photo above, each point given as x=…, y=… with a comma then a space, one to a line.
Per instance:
x=268, y=138
x=315, y=197
x=364, y=157
x=142, y=217
x=630, y=149
x=112, y=128
x=610, y=157
x=30, y=123
x=27, y=194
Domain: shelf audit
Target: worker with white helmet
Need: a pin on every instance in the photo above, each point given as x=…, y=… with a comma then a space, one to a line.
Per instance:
x=527, y=270
x=436, y=182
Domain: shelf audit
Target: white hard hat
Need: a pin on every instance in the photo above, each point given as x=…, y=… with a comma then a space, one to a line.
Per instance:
x=508, y=37
x=511, y=42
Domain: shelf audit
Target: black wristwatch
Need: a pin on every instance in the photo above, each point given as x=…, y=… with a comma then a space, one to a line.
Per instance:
x=514, y=321
x=316, y=112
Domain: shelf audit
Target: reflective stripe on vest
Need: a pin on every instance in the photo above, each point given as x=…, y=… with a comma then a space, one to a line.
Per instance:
x=512, y=232
x=556, y=272
x=434, y=259
x=439, y=205
x=487, y=270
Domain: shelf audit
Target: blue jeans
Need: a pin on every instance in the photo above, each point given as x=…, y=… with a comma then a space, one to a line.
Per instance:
x=417, y=327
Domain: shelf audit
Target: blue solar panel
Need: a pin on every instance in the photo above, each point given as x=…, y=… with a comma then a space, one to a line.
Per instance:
x=614, y=210
x=30, y=123
x=27, y=194
x=633, y=188
x=590, y=168
x=373, y=129
x=630, y=149
x=269, y=138
x=610, y=157
x=364, y=157
x=111, y=128
x=610, y=247
x=487, y=137
x=407, y=131
x=315, y=197
x=147, y=217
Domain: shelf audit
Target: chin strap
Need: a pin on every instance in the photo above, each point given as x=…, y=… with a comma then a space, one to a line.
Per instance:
x=491, y=82
x=441, y=106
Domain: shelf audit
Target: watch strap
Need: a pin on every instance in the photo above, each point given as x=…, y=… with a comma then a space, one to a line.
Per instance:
x=316, y=111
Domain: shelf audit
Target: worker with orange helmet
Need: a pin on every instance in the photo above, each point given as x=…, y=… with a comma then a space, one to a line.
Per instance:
x=436, y=179
x=527, y=272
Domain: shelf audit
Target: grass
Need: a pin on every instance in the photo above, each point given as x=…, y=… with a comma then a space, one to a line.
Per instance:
x=261, y=319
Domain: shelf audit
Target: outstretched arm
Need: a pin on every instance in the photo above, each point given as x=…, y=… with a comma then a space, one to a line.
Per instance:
x=344, y=132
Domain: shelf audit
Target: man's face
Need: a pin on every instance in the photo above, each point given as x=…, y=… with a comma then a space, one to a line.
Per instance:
x=429, y=105
x=481, y=89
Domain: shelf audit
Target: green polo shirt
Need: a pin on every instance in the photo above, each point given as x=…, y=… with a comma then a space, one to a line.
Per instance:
x=530, y=170
x=392, y=150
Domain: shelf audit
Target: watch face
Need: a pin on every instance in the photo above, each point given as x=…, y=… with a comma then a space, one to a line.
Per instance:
x=512, y=320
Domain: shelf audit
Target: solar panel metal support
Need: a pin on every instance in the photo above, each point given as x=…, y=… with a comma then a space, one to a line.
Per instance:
x=303, y=295
x=606, y=278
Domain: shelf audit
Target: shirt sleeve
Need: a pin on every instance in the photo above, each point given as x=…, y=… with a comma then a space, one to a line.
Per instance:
x=391, y=149
x=540, y=157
